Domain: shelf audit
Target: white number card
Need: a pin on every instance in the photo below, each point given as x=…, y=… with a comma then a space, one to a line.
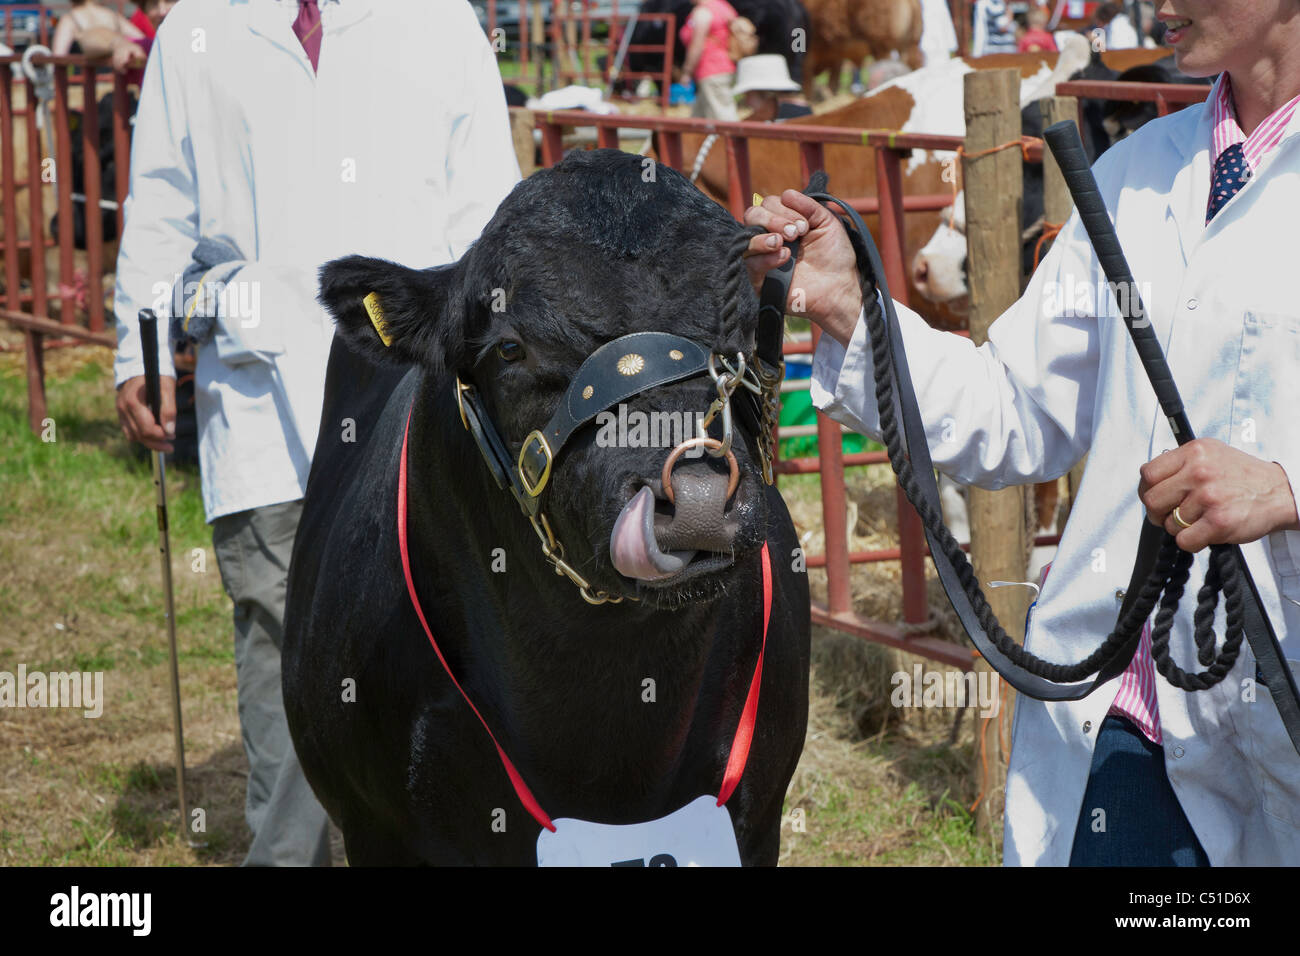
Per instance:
x=699, y=834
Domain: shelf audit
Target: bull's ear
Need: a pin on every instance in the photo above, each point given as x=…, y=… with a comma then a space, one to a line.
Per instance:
x=388, y=311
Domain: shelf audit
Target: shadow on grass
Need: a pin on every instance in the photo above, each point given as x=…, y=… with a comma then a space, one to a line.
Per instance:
x=146, y=814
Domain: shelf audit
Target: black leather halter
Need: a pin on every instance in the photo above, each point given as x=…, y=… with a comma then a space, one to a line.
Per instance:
x=616, y=371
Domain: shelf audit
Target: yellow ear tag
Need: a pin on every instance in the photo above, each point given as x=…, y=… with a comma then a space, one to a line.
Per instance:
x=758, y=200
x=377, y=318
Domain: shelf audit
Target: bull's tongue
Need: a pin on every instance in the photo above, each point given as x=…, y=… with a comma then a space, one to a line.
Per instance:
x=632, y=544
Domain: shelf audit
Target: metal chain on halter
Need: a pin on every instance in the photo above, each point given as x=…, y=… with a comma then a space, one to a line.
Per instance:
x=1165, y=584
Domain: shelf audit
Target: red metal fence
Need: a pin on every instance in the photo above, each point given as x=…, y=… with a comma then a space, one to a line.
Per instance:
x=16, y=24
x=577, y=50
x=1168, y=97
x=572, y=37
x=37, y=182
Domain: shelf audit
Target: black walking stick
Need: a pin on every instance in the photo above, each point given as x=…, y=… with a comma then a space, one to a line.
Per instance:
x=149, y=340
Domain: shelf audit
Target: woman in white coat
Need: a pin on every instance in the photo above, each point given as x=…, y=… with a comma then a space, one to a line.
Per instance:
x=1204, y=204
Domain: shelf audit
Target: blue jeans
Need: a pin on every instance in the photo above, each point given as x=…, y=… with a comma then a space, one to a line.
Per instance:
x=1141, y=822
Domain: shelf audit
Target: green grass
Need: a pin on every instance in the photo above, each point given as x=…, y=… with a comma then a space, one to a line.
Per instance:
x=87, y=485
x=80, y=590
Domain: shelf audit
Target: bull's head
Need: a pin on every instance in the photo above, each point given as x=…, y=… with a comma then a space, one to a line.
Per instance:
x=602, y=245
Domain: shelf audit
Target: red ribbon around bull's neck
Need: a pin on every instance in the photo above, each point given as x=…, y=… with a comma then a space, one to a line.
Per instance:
x=740, y=744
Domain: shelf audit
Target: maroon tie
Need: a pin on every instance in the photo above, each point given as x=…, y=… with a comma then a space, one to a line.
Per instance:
x=307, y=29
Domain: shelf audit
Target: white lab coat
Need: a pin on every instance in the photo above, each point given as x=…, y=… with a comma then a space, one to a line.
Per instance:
x=398, y=147
x=1058, y=378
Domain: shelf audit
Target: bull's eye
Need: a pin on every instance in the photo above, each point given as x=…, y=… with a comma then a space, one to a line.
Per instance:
x=510, y=351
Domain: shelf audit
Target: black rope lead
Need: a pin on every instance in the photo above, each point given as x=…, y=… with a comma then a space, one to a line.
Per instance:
x=1164, y=585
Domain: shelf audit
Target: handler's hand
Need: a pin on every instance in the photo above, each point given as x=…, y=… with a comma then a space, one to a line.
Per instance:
x=825, y=275
x=1225, y=495
x=137, y=420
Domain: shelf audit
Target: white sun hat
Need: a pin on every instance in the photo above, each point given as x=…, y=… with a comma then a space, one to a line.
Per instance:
x=766, y=72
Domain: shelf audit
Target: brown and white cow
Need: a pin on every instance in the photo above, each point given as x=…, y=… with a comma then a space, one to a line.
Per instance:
x=850, y=30
x=939, y=269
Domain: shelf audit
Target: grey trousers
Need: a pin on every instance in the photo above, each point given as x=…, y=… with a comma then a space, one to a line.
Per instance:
x=290, y=827
x=713, y=97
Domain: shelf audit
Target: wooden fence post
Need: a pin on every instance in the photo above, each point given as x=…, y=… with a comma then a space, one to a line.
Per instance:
x=1057, y=206
x=997, y=518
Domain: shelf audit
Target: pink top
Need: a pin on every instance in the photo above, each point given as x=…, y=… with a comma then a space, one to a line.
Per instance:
x=1035, y=41
x=714, y=59
x=1136, y=698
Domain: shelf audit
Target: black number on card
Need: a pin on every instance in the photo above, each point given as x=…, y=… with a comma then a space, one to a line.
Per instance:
x=662, y=859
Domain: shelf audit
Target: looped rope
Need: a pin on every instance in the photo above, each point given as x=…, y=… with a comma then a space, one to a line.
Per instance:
x=1164, y=585
x=1050, y=231
x=1031, y=149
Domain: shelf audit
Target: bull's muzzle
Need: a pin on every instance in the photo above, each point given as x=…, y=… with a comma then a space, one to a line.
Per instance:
x=649, y=545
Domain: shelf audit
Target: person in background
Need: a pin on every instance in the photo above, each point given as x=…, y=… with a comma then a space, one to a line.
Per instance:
x=298, y=133
x=705, y=34
x=149, y=15
x=994, y=28
x=769, y=93
x=1036, y=39
x=1119, y=30
x=938, y=36
x=130, y=54
x=91, y=29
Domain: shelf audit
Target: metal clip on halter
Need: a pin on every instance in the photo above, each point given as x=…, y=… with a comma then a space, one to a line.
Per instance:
x=726, y=384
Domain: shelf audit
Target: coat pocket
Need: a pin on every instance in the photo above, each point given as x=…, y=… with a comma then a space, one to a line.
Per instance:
x=1266, y=392
x=1276, y=760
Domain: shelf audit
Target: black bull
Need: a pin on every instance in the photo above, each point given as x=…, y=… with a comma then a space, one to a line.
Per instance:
x=577, y=255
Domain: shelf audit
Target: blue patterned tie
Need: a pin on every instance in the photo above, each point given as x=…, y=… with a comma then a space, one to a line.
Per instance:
x=1230, y=173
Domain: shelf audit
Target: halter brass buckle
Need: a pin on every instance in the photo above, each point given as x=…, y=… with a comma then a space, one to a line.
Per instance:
x=461, y=389
x=535, y=490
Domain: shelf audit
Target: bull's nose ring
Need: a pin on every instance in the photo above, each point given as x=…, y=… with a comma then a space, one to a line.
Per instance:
x=666, y=476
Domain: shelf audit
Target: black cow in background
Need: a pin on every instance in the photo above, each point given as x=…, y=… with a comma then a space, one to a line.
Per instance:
x=576, y=256
x=775, y=21
x=1119, y=118
x=107, y=156
x=1106, y=122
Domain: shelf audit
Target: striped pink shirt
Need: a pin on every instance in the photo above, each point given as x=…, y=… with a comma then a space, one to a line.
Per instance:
x=1227, y=132
x=1136, y=698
